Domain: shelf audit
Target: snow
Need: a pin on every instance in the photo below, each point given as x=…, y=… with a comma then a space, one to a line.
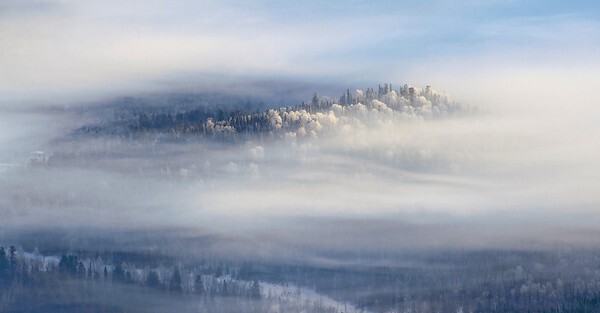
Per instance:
x=300, y=295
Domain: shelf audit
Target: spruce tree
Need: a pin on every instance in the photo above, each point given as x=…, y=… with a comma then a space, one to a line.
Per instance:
x=4, y=266
x=119, y=273
x=255, y=290
x=12, y=261
x=199, y=285
x=176, y=281
x=153, y=280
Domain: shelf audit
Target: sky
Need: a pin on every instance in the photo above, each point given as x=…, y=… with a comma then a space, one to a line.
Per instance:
x=522, y=170
x=63, y=50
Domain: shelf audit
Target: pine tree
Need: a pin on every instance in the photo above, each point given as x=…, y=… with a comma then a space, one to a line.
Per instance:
x=315, y=102
x=224, y=289
x=255, y=290
x=12, y=261
x=4, y=266
x=119, y=273
x=68, y=265
x=176, y=281
x=199, y=285
x=81, y=269
x=153, y=280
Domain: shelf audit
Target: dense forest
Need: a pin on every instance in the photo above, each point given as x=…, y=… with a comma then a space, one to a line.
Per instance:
x=475, y=281
x=225, y=119
x=31, y=282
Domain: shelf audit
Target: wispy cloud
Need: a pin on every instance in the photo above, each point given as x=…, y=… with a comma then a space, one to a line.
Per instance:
x=55, y=50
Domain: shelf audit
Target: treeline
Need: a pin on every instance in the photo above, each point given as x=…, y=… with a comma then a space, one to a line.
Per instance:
x=221, y=122
x=492, y=281
x=21, y=269
x=70, y=283
x=235, y=123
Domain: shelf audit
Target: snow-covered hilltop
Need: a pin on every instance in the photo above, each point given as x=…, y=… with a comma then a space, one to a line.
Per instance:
x=320, y=115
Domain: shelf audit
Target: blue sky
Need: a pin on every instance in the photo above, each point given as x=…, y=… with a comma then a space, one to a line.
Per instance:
x=68, y=49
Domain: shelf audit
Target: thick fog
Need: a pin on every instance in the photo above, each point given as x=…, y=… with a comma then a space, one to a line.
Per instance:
x=517, y=169
x=314, y=156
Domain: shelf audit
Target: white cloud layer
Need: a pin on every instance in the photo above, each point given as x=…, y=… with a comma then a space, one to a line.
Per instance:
x=523, y=169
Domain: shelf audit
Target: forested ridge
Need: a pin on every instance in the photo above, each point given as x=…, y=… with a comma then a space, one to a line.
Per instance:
x=235, y=120
x=492, y=281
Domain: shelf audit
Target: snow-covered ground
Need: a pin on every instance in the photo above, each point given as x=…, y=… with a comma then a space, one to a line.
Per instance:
x=289, y=293
x=301, y=295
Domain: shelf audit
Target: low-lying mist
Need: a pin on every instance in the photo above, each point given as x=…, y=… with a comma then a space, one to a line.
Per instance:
x=371, y=180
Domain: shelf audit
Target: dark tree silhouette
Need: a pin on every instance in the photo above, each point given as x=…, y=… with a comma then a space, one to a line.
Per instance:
x=68, y=265
x=81, y=269
x=119, y=273
x=4, y=266
x=153, y=280
x=12, y=261
x=176, y=281
x=255, y=290
x=199, y=285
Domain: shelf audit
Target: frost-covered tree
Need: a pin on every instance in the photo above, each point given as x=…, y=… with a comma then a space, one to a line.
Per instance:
x=4, y=266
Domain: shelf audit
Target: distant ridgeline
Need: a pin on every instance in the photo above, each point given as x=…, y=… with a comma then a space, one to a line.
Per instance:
x=320, y=115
